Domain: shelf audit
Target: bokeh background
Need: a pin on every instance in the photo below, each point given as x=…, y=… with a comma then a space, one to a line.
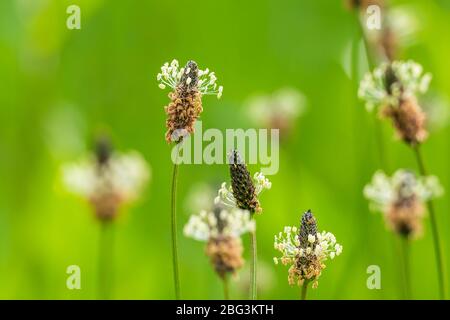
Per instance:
x=60, y=86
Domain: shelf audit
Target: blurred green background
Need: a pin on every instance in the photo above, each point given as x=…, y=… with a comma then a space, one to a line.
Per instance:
x=60, y=86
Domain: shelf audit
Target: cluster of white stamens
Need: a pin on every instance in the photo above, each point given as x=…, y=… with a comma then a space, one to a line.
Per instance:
x=171, y=74
x=410, y=81
x=125, y=174
x=384, y=191
x=225, y=194
x=322, y=246
x=206, y=225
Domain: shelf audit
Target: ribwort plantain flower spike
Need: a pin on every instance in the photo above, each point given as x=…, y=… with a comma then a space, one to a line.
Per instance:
x=107, y=179
x=401, y=198
x=305, y=250
x=392, y=89
x=189, y=84
x=221, y=229
x=244, y=191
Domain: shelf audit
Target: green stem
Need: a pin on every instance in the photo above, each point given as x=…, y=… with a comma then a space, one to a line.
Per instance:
x=406, y=272
x=106, y=261
x=380, y=144
x=304, y=289
x=371, y=63
x=176, y=277
x=434, y=229
x=420, y=161
x=370, y=58
x=355, y=57
x=253, y=293
x=226, y=292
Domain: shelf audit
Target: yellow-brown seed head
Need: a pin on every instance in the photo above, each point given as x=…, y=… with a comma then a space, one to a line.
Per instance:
x=188, y=85
x=105, y=201
x=182, y=113
x=305, y=269
x=225, y=254
x=106, y=205
x=409, y=120
x=185, y=106
x=405, y=217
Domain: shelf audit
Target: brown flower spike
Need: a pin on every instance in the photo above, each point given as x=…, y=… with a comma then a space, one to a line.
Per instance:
x=407, y=117
x=221, y=229
x=409, y=120
x=402, y=198
x=106, y=201
x=405, y=216
x=189, y=84
x=107, y=179
x=185, y=106
x=392, y=89
x=225, y=254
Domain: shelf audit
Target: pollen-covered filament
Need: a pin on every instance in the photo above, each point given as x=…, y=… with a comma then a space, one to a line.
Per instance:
x=225, y=223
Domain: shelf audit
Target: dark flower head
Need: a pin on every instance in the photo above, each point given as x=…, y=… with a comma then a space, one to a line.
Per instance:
x=242, y=184
x=103, y=150
x=244, y=191
x=308, y=226
x=189, y=78
x=391, y=80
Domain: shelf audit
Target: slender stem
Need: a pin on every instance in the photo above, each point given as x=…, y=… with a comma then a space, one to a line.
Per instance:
x=406, y=273
x=176, y=277
x=369, y=56
x=304, y=289
x=355, y=57
x=226, y=292
x=434, y=229
x=371, y=63
x=380, y=144
x=106, y=261
x=420, y=161
x=437, y=248
x=253, y=293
